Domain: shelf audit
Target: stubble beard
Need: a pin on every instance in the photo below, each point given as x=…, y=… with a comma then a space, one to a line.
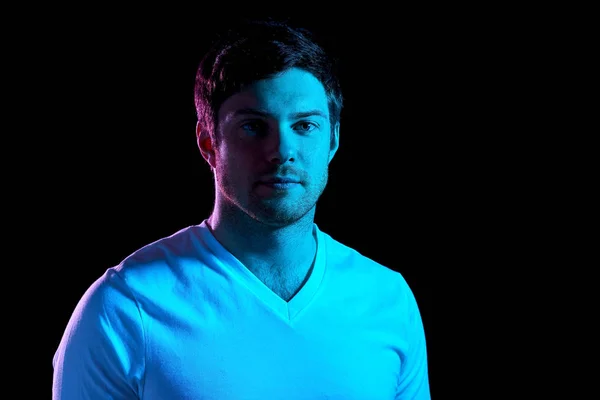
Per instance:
x=277, y=212
x=284, y=212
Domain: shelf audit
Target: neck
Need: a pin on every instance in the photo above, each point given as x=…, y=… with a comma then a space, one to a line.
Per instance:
x=265, y=248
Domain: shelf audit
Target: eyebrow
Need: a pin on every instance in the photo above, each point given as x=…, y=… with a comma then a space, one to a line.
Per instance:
x=260, y=113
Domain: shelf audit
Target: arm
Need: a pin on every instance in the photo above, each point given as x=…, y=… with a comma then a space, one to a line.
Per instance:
x=413, y=382
x=101, y=353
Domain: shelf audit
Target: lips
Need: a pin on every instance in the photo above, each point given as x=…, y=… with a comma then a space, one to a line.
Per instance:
x=280, y=180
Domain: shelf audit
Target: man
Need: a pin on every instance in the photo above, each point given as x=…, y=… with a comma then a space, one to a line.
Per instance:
x=256, y=302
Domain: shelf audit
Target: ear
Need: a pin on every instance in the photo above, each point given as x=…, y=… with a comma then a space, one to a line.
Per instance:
x=334, y=142
x=206, y=145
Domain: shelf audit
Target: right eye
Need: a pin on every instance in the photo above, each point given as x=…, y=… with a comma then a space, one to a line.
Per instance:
x=254, y=127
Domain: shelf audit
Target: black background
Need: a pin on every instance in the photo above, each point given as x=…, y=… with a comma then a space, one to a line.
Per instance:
x=116, y=98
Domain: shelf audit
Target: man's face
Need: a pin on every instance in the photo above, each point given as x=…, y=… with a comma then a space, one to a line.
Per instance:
x=275, y=131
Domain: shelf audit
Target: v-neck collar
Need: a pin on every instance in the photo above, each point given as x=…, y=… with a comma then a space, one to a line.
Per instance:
x=285, y=309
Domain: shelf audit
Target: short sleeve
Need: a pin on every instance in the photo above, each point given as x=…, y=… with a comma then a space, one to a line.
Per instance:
x=413, y=382
x=101, y=353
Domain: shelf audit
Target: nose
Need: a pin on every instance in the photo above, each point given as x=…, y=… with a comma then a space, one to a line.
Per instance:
x=282, y=148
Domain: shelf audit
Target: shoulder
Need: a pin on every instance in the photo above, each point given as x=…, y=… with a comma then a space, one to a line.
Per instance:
x=181, y=243
x=108, y=298
x=340, y=255
x=161, y=260
x=104, y=333
x=361, y=271
x=115, y=296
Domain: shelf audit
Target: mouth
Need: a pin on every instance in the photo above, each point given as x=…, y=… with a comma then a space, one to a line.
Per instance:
x=279, y=183
x=273, y=179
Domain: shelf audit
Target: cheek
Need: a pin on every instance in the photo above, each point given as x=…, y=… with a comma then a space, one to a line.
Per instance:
x=236, y=165
x=229, y=156
x=322, y=156
x=318, y=166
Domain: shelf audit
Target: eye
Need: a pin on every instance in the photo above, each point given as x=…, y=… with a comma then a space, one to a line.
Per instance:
x=305, y=126
x=254, y=127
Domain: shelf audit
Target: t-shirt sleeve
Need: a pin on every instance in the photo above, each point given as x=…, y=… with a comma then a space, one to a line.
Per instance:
x=101, y=353
x=413, y=381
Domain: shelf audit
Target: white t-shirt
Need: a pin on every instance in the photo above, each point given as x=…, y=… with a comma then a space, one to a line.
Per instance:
x=182, y=318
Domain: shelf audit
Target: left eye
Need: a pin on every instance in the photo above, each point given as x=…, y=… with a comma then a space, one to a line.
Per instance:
x=305, y=126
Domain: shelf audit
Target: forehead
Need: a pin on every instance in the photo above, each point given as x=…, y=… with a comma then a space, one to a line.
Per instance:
x=292, y=91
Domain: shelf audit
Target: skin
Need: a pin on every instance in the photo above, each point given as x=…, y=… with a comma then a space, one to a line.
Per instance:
x=262, y=135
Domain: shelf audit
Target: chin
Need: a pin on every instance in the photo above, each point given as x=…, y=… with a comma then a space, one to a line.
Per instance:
x=278, y=217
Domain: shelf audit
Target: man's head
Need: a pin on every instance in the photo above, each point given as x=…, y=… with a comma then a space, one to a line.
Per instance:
x=268, y=106
x=257, y=50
